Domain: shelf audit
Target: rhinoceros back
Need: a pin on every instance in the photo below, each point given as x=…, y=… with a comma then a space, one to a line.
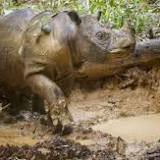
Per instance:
x=11, y=30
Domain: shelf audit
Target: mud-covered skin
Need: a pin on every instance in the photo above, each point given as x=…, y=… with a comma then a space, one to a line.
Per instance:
x=11, y=66
x=43, y=55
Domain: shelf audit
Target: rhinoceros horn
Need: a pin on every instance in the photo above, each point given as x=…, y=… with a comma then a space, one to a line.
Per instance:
x=128, y=27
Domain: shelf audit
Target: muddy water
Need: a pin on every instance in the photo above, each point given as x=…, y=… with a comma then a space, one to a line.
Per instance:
x=141, y=128
x=13, y=136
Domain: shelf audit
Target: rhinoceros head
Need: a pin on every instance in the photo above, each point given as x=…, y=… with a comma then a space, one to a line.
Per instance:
x=95, y=41
x=87, y=39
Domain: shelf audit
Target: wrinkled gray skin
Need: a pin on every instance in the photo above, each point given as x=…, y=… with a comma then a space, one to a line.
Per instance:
x=40, y=53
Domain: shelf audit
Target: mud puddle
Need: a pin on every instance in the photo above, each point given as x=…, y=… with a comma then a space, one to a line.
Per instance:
x=22, y=132
x=133, y=129
x=13, y=136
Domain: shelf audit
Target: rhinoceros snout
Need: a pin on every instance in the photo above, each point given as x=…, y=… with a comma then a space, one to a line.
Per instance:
x=122, y=40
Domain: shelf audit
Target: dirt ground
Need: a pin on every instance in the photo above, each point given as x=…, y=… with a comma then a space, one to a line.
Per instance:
x=131, y=94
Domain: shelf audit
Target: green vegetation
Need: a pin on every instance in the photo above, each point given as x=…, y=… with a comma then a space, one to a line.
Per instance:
x=142, y=13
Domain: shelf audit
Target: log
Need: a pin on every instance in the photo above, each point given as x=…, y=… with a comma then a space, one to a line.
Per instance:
x=146, y=54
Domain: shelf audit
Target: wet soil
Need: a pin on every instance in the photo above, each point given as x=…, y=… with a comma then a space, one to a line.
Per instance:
x=133, y=129
x=125, y=106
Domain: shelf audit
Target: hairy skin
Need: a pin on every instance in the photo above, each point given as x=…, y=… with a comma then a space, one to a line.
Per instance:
x=40, y=53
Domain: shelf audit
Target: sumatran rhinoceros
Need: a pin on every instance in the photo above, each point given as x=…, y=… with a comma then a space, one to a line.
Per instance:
x=39, y=53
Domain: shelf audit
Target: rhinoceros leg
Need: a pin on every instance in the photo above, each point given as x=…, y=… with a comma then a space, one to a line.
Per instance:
x=18, y=102
x=57, y=104
x=38, y=104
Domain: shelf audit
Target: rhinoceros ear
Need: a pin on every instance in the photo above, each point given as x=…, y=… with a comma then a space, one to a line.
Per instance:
x=99, y=14
x=46, y=29
x=74, y=17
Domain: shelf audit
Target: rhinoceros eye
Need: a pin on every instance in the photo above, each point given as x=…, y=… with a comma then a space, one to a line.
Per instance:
x=102, y=36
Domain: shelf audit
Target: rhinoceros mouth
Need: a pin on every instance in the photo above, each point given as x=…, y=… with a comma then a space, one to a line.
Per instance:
x=128, y=49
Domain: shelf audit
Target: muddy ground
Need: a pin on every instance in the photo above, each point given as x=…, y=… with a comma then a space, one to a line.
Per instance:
x=130, y=99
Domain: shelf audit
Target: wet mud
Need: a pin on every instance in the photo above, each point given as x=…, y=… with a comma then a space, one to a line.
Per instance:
x=115, y=118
